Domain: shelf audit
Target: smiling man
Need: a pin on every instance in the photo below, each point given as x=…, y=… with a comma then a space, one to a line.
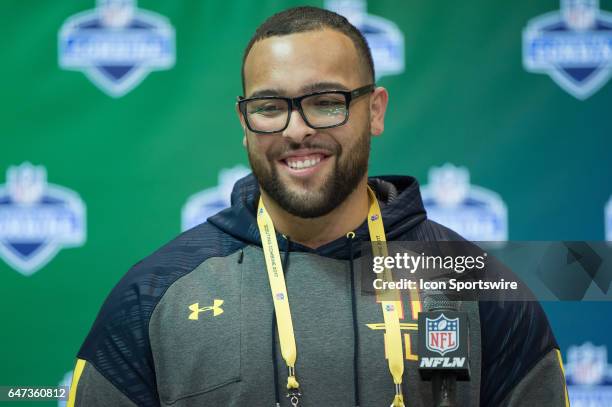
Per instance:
x=259, y=306
x=300, y=87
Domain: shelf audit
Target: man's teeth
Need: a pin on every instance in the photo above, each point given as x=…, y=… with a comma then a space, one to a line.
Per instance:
x=298, y=165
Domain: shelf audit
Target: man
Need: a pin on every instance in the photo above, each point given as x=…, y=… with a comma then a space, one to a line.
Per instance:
x=259, y=306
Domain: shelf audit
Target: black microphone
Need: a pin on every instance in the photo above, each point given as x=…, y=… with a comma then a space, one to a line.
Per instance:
x=443, y=347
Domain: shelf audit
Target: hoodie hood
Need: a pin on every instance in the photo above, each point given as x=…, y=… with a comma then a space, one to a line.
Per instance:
x=399, y=197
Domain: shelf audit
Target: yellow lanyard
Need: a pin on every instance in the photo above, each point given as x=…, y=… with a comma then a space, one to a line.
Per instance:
x=390, y=306
x=390, y=302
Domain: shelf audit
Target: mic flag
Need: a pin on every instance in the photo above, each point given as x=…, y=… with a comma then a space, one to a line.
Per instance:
x=444, y=344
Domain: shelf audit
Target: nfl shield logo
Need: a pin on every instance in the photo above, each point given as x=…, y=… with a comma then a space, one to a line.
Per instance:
x=442, y=334
x=116, y=45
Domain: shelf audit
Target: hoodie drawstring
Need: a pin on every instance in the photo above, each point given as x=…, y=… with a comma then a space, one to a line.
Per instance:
x=274, y=362
x=350, y=236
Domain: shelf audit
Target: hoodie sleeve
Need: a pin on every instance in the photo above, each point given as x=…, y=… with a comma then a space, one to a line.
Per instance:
x=115, y=364
x=544, y=385
x=521, y=363
x=90, y=388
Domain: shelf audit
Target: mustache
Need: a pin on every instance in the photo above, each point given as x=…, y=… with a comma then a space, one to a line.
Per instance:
x=332, y=148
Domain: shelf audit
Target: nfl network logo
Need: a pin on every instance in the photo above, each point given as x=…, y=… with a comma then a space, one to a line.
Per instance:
x=442, y=334
x=386, y=41
x=608, y=220
x=589, y=376
x=472, y=211
x=116, y=45
x=208, y=202
x=37, y=219
x=573, y=46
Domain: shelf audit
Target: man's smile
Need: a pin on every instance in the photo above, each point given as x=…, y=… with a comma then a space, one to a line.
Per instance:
x=304, y=163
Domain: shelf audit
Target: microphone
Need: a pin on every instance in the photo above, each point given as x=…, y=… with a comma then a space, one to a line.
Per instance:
x=443, y=347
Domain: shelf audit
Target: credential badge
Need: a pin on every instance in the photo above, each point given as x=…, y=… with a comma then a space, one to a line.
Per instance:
x=573, y=46
x=116, y=45
x=37, y=219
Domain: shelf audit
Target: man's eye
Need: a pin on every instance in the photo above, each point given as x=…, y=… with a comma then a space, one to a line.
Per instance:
x=268, y=110
x=329, y=107
x=329, y=103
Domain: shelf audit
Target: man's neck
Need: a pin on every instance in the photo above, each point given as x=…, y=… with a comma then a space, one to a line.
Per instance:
x=315, y=232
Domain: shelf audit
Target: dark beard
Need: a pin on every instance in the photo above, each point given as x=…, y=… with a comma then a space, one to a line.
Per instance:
x=349, y=168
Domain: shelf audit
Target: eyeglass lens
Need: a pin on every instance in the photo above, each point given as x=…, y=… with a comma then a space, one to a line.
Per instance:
x=321, y=110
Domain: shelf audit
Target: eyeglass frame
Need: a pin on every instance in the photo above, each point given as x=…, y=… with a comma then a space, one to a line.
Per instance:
x=296, y=103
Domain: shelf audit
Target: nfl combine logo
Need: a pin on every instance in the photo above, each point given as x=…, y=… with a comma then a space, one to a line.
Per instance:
x=573, y=46
x=116, y=45
x=442, y=334
x=37, y=219
x=385, y=39
x=208, y=202
x=472, y=211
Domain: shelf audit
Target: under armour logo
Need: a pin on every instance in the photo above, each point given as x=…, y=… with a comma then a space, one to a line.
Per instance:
x=195, y=308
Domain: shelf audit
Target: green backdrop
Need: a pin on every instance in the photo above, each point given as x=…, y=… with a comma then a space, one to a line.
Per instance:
x=464, y=98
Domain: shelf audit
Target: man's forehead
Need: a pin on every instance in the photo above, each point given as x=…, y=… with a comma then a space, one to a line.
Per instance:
x=302, y=62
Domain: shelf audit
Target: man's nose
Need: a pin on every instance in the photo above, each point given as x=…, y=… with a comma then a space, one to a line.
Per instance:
x=297, y=130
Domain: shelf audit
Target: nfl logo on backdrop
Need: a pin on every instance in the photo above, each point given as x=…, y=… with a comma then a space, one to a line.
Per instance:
x=37, y=219
x=589, y=376
x=573, y=46
x=472, y=211
x=608, y=217
x=442, y=334
x=116, y=45
x=385, y=39
x=208, y=202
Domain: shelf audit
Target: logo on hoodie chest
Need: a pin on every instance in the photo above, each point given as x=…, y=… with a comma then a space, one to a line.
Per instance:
x=215, y=309
x=408, y=326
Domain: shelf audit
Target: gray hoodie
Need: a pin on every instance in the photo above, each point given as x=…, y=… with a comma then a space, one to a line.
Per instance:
x=193, y=324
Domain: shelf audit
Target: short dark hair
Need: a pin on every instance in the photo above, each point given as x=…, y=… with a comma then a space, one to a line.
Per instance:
x=303, y=19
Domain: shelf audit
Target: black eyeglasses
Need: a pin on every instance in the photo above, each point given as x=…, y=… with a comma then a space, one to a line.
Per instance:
x=320, y=110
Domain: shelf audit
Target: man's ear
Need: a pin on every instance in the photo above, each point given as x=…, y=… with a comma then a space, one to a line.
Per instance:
x=242, y=124
x=378, y=108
